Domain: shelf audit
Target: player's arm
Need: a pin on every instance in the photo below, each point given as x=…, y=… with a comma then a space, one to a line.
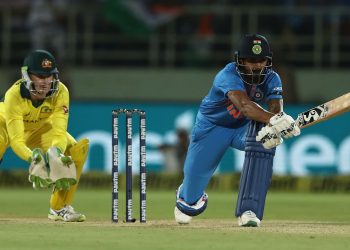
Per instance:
x=15, y=127
x=60, y=119
x=15, y=130
x=252, y=110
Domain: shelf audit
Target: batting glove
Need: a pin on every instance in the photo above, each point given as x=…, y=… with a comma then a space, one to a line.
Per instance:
x=269, y=137
x=284, y=125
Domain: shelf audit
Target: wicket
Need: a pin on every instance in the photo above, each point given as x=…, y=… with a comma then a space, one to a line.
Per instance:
x=128, y=163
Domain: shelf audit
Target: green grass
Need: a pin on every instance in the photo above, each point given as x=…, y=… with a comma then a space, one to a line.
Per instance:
x=292, y=221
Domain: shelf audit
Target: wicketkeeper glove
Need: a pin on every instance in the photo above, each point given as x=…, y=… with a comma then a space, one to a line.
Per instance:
x=66, y=160
x=38, y=170
x=62, y=169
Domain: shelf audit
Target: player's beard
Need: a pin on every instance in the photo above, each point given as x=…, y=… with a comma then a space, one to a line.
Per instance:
x=256, y=77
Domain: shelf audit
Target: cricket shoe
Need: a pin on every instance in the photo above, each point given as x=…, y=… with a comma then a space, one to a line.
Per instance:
x=181, y=218
x=67, y=214
x=248, y=219
x=184, y=212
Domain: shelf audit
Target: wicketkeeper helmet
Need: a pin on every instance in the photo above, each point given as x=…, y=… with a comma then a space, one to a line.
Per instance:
x=40, y=63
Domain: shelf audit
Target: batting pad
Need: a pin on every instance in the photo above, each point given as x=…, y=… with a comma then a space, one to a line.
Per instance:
x=256, y=174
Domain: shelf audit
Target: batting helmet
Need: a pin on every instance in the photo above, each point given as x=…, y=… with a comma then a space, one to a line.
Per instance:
x=253, y=46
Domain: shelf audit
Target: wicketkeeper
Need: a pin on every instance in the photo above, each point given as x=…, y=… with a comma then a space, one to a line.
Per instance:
x=231, y=115
x=33, y=121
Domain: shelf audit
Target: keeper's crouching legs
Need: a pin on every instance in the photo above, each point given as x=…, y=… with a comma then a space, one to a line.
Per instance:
x=4, y=140
x=78, y=152
x=255, y=179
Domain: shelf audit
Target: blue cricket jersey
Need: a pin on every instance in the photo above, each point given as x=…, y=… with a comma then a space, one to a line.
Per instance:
x=218, y=108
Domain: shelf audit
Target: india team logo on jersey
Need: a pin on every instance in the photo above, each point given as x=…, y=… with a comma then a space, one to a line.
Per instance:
x=258, y=95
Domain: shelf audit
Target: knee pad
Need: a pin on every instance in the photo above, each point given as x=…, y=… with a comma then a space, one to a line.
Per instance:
x=256, y=174
x=192, y=210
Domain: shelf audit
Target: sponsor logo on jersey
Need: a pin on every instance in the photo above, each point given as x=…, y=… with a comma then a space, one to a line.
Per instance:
x=30, y=121
x=233, y=111
x=277, y=89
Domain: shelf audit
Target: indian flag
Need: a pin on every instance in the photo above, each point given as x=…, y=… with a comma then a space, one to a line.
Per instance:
x=256, y=41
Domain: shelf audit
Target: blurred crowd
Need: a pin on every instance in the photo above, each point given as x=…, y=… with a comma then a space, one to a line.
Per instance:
x=199, y=33
x=176, y=34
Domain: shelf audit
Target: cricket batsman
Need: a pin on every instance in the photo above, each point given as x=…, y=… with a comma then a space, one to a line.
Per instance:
x=232, y=115
x=33, y=121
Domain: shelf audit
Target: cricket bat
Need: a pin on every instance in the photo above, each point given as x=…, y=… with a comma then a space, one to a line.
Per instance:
x=324, y=111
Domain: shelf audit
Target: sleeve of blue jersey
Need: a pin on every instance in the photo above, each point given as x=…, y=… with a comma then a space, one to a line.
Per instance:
x=232, y=83
x=274, y=87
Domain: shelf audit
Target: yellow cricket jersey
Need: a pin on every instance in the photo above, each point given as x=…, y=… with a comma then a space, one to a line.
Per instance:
x=23, y=117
